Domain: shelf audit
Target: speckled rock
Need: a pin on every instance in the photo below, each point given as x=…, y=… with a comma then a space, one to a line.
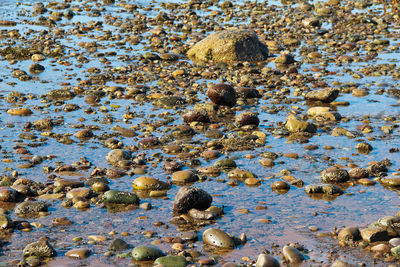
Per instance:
x=120, y=197
x=201, y=214
x=222, y=94
x=349, y=234
x=293, y=124
x=7, y=194
x=358, y=173
x=323, y=189
x=116, y=155
x=225, y=164
x=265, y=260
x=293, y=255
x=41, y=248
x=324, y=95
x=335, y=175
x=78, y=253
x=396, y=252
x=364, y=148
x=30, y=208
x=43, y=124
x=229, y=46
x=218, y=238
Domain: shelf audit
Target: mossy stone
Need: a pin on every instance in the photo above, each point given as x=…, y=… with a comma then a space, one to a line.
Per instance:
x=142, y=253
x=171, y=261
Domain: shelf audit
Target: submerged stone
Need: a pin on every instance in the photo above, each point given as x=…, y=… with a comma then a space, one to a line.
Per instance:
x=120, y=197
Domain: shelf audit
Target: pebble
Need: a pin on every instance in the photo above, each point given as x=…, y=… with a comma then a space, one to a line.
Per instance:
x=141, y=253
x=120, y=197
x=265, y=260
x=79, y=253
x=293, y=255
x=218, y=238
x=247, y=118
x=191, y=197
x=184, y=177
x=19, y=111
x=349, y=234
x=324, y=95
x=30, y=208
x=394, y=242
x=335, y=175
x=222, y=94
x=149, y=183
x=222, y=46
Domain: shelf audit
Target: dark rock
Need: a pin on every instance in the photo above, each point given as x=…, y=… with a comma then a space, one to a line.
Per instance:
x=222, y=94
x=247, y=118
x=30, y=208
x=323, y=189
x=246, y=92
x=335, y=175
x=218, y=238
x=358, y=173
x=374, y=234
x=377, y=169
x=196, y=115
x=349, y=234
x=191, y=197
x=363, y=148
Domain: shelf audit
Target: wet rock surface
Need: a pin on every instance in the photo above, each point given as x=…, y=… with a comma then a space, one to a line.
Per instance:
x=229, y=46
x=191, y=197
x=41, y=248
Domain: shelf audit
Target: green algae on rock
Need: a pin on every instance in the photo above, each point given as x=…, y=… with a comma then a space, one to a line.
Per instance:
x=229, y=46
x=119, y=197
x=141, y=253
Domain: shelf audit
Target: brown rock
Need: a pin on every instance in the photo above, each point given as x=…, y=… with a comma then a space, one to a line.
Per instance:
x=80, y=253
x=374, y=234
x=222, y=94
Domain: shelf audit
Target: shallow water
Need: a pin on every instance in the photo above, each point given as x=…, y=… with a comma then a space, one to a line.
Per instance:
x=291, y=214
